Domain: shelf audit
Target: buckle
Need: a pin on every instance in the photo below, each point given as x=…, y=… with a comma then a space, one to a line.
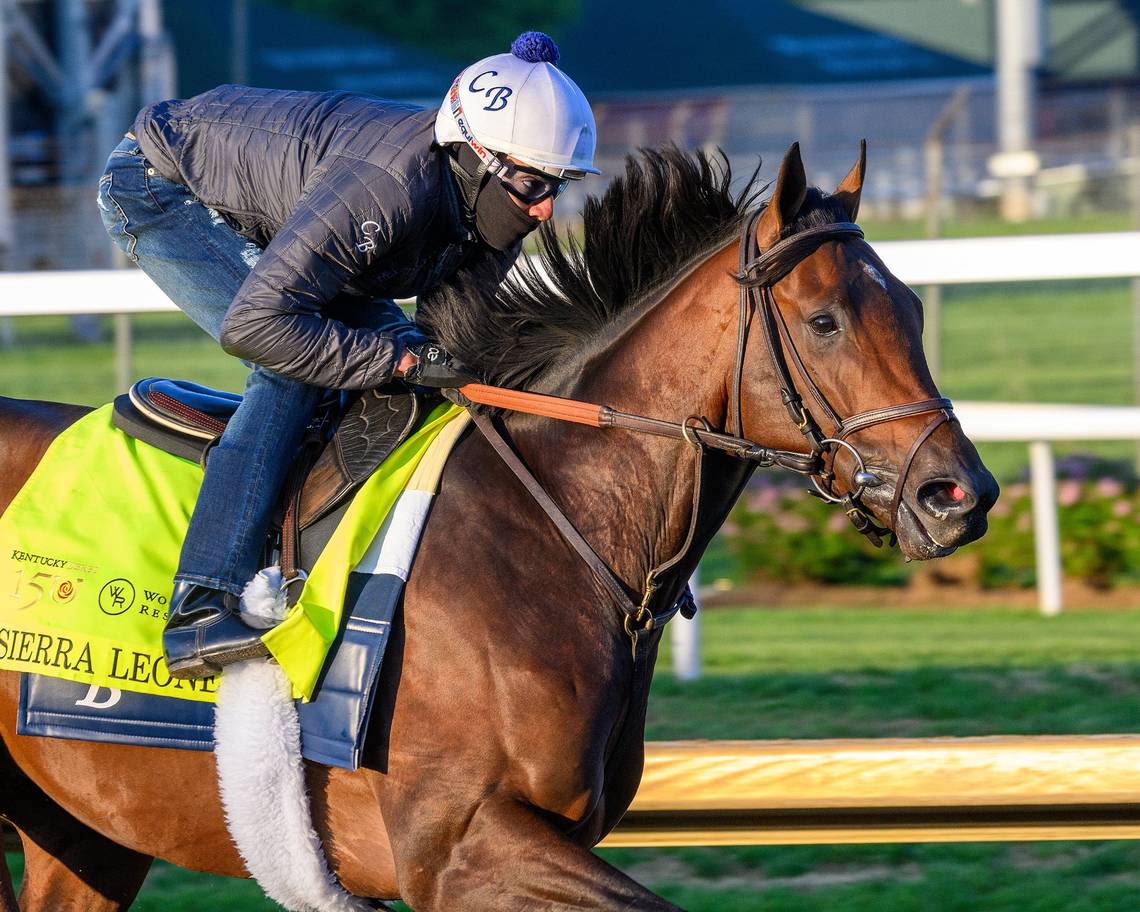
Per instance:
x=641, y=621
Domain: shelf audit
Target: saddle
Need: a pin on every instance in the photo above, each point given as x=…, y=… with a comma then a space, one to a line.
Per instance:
x=348, y=439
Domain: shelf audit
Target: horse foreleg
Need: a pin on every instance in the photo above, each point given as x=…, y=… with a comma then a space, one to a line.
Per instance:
x=68, y=867
x=507, y=855
x=91, y=875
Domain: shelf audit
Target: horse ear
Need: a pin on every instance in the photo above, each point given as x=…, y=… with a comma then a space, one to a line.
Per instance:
x=851, y=187
x=791, y=189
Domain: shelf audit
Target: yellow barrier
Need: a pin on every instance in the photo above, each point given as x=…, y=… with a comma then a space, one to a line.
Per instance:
x=891, y=790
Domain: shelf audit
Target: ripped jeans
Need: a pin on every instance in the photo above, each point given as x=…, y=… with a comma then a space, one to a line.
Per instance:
x=200, y=263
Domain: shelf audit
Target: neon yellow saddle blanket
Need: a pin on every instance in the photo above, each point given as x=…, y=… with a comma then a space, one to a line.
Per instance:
x=89, y=546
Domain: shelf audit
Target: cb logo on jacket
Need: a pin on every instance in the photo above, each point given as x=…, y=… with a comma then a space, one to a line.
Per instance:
x=369, y=229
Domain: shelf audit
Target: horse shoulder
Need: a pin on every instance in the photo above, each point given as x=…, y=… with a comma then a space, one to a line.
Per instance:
x=508, y=680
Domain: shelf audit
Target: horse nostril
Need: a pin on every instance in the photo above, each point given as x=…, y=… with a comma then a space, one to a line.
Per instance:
x=945, y=497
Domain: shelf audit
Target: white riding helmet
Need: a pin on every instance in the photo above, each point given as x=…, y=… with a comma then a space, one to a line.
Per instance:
x=521, y=104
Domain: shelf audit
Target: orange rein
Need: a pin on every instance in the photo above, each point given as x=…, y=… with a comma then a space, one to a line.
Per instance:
x=692, y=430
x=535, y=404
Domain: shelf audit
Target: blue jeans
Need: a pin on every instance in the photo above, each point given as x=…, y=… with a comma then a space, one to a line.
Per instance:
x=200, y=263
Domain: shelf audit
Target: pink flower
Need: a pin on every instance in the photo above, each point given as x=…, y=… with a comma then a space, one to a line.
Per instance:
x=791, y=522
x=1109, y=487
x=1068, y=493
x=1121, y=508
x=764, y=499
x=837, y=522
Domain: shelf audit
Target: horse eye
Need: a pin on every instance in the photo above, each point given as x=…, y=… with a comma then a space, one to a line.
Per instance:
x=823, y=324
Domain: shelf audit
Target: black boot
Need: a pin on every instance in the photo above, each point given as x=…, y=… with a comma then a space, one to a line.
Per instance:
x=205, y=631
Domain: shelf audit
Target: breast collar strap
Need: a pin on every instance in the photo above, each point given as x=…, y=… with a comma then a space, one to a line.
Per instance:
x=638, y=617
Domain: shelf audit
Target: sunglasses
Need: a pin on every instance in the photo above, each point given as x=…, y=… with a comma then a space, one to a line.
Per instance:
x=530, y=186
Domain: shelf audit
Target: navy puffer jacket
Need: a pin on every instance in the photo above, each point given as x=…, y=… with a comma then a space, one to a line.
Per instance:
x=347, y=194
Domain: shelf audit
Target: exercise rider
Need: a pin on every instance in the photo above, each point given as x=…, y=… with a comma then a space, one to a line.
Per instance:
x=284, y=223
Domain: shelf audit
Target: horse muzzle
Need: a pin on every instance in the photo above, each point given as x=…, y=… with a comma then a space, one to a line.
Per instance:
x=940, y=512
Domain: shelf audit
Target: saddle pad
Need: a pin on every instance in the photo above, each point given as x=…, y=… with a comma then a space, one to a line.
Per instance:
x=89, y=544
x=334, y=723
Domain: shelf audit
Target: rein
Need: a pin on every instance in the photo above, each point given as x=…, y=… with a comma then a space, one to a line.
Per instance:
x=759, y=271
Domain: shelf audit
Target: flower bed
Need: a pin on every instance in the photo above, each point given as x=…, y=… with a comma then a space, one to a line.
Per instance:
x=778, y=533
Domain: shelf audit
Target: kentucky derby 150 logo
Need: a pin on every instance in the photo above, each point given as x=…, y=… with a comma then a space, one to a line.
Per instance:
x=31, y=588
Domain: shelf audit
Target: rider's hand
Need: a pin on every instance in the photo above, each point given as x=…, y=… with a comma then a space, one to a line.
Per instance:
x=406, y=363
x=436, y=368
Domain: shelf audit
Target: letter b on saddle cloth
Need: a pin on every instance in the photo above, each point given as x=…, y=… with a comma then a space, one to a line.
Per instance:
x=346, y=443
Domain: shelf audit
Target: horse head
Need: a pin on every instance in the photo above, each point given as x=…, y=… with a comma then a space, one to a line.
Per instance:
x=838, y=334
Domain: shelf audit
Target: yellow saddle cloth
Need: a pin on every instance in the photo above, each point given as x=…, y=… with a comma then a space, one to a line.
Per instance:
x=89, y=546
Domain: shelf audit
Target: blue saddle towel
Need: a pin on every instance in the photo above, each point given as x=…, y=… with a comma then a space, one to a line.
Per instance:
x=333, y=724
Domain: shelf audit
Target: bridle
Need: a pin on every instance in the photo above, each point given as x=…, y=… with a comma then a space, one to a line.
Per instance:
x=759, y=272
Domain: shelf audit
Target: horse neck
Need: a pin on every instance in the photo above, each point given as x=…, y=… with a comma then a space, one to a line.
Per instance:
x=631, y=495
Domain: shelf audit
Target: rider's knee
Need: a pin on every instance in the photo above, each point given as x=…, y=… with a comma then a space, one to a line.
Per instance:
x=115, y=220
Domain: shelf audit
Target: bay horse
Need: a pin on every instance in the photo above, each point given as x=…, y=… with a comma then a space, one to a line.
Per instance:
x=508, y=737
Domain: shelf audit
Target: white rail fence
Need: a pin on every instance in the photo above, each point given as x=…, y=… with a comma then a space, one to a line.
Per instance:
x=1037, y=425
x=929, y=262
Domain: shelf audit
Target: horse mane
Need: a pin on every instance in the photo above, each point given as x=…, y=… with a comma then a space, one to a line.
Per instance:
x=666, y=213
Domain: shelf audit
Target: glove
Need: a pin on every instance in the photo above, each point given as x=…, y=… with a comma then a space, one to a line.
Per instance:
x=436, y=368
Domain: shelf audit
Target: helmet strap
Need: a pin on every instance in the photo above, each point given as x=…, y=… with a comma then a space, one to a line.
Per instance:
x=471, y=173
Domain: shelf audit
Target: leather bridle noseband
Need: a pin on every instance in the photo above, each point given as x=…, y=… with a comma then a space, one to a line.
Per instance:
x=759, y=272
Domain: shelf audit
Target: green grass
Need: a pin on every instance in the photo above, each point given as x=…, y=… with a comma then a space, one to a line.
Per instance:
x=992, y=225
x=170, y=889
x=1067, y=342
x=1018, y=877
x=47, y=363
x=827, y=640
x=856, y=672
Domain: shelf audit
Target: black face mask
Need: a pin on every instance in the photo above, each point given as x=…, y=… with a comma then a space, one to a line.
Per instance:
x=499, y=221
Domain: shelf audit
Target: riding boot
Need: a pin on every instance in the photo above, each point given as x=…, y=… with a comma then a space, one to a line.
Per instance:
x=205, y=632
